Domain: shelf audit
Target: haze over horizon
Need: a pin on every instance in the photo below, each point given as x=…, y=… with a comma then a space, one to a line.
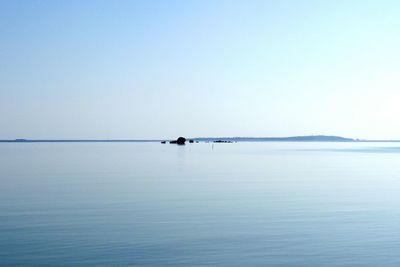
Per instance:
x=162, y=69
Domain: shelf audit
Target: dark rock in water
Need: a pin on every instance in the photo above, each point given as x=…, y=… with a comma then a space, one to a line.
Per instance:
x=181, y=140
x=222, y=141
x=191, y=141
x=163, y=142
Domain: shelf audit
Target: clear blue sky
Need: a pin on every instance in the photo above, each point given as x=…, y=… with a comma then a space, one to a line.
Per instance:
x=160, y=69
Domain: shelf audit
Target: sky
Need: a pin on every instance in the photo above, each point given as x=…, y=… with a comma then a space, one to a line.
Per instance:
x=162, y=69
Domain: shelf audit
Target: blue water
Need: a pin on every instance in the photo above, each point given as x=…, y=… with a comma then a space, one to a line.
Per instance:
x=241, y=204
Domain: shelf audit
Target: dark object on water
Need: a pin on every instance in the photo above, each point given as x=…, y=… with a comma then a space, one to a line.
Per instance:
x=181, y=140
x=222, y=141
x=191, y=141
x=163, y=142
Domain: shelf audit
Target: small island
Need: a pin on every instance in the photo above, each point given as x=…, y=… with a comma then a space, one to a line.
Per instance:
x=180, y=141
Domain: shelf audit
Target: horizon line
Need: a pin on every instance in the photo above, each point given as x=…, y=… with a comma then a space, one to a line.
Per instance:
x=298, y=138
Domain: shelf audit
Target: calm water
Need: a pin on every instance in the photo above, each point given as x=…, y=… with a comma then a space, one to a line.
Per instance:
x=243, y=204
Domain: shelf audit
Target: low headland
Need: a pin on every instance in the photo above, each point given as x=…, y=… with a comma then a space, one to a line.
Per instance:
x=183, y=140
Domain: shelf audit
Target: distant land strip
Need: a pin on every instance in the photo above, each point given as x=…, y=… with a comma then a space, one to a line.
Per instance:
x=74, y=141
x=309, y=138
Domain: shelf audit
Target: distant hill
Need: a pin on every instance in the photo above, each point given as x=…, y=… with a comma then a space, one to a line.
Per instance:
x=309, y=138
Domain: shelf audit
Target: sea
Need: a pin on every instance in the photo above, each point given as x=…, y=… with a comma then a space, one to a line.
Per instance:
x=202, y=204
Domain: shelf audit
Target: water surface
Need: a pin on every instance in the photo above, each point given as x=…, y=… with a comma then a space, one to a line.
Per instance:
x=241, y=204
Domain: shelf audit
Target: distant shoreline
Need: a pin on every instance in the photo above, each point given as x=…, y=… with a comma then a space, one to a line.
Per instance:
x=75, y=141
x=310, y=138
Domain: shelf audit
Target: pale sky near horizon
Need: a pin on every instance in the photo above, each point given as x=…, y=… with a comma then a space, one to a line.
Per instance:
x=161, y=69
